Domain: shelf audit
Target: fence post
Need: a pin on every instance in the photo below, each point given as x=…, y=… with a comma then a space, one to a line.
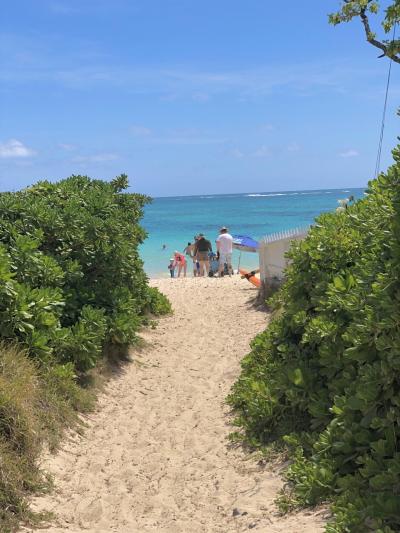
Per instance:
x=262, y=254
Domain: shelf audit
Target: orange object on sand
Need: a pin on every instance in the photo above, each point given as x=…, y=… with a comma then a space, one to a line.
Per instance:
x=251, y=276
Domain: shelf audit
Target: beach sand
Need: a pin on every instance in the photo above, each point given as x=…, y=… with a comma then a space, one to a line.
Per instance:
x=155, y=456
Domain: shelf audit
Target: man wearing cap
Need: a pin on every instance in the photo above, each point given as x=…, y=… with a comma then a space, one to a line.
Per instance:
x=201, y=251
x=224, y=247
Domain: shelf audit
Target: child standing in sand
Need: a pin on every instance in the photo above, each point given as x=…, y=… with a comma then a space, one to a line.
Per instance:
x=171, y=267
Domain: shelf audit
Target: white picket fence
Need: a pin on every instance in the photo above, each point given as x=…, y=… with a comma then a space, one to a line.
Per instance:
x=272, y=252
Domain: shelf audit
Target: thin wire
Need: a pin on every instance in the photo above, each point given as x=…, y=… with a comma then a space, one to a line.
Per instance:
x=378, y=156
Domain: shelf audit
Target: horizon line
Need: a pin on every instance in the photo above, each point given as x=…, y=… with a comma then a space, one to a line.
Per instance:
x=254, y=192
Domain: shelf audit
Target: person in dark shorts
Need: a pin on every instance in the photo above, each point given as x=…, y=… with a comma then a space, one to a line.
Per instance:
x=201, y=251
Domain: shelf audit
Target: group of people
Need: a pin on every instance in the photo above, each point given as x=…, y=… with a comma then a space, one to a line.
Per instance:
x=200, y=252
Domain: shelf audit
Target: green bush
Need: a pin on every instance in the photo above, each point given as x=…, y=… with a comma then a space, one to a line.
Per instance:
x=71, y=284
x=157, y=303
x=71, y=279
x=324, y=376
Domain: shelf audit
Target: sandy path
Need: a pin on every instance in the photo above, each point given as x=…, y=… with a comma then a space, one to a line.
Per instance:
x=155, y=457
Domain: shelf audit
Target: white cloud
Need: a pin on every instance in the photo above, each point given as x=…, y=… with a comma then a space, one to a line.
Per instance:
x=178, y=136
x=67, y=147
x=140, y=131
x=349, y=153
x=177, y=82
x=188, y=140
x=96, y=158
x=266, y=127
x=63, y=9
x=236, y=153
x=263, y=151
x=200, y=97
x=293, y=147
x=14, y=149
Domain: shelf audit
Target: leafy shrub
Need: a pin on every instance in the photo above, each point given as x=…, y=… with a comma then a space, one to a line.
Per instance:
x=71, y=283
x=158, y=303
x=71, y=279
x=325, y=375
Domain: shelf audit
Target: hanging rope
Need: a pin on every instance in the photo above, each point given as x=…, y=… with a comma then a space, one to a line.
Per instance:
x=378, y=156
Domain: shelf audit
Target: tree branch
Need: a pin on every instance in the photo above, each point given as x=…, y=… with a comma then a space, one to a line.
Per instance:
x=373, y=41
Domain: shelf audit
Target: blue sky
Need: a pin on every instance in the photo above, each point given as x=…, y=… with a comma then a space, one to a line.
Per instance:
x=190, y=97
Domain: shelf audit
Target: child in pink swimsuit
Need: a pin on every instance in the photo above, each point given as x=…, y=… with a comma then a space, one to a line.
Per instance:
x=180, y=262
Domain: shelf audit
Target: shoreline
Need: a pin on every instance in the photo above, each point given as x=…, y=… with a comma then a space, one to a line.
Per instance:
x=326, y=190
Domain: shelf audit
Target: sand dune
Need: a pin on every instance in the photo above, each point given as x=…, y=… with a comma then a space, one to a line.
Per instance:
x=155, y=455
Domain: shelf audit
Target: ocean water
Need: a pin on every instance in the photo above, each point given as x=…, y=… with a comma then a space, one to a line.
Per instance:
x=174, y=221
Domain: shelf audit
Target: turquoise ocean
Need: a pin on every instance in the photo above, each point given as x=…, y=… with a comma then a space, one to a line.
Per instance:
x=174, y=221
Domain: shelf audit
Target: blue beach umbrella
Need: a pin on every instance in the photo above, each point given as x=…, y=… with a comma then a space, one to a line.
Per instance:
x=245, y=243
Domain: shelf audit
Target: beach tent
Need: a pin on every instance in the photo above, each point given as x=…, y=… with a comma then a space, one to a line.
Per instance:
x=243, y=243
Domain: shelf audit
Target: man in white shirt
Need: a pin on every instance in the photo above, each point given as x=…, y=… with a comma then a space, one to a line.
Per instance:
x=224, y=247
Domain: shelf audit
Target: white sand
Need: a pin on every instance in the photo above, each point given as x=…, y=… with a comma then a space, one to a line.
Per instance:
x=155, y=456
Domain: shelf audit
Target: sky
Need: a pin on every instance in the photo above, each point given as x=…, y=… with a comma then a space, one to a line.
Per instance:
x=189, y=97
